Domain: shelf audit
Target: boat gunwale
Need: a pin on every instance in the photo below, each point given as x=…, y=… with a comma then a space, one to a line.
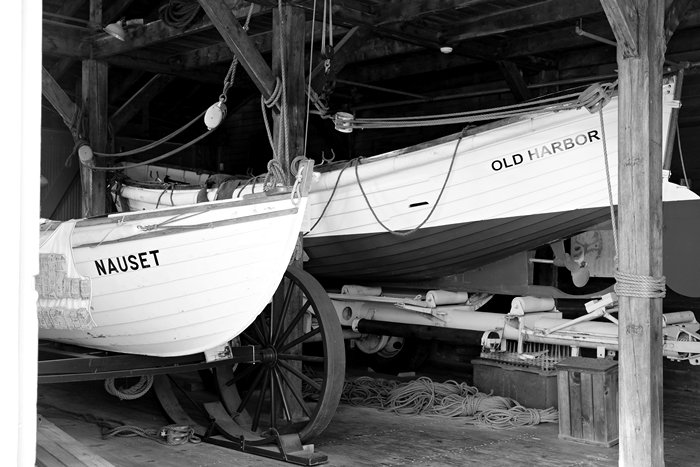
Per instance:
x=174, y=230
x=252, y=199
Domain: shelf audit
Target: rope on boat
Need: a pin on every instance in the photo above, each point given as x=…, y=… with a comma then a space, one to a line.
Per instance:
x=443, y=400
x=432, y=210
x=627, y=284
x=131, y=393
x=593, y=98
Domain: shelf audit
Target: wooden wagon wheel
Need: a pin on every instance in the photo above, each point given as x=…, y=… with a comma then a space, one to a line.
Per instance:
x=298, y=385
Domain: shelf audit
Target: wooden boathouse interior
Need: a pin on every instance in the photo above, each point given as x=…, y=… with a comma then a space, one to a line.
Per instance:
x=369, y=59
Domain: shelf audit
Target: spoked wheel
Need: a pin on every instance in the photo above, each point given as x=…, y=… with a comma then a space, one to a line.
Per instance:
x=297, y=386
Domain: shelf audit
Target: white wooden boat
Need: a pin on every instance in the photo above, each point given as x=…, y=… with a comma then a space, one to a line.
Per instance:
x=167, y=282
x=475, y=197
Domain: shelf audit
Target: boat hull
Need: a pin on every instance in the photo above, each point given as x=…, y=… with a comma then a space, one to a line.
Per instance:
x=174, y=281
x=435, y=252
x=458, y=203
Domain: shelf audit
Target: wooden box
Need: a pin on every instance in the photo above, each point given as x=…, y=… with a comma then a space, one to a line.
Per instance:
x=532, y=387
x=588, y=400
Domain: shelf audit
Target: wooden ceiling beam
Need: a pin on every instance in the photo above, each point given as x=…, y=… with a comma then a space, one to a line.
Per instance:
x=157, y=31
x=348, y=17
x=526, y=17
x=139, y=101
x=566, y=38
x=238, y=41
x=144, y=36
x=557, y=40
x=110, y=15
x=62, y=40
x=218, y=53
x=397, y=11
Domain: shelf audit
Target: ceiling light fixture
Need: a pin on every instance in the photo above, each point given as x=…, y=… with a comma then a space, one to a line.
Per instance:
x=115, y=30
x=446, y=49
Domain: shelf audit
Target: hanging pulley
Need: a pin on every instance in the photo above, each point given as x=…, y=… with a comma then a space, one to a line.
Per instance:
x=215, y=115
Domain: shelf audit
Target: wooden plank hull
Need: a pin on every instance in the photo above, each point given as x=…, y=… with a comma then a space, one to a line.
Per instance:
x=174, y=281
x=436, y=252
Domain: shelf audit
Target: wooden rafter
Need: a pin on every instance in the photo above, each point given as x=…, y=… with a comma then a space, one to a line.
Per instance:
x=57, y=97
x=65, y=41
x=397, y=11
x=218, y=53
x=522, y=18
x=238, y=41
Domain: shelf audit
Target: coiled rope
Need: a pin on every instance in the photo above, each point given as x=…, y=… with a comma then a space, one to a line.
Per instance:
x=131, y=393
x=627, y=284
x=180, y=14
x=450, y=399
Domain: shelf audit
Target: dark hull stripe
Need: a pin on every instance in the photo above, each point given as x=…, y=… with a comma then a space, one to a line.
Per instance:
x=436, y=252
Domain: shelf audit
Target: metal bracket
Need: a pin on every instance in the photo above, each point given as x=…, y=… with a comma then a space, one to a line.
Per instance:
x=283, y=447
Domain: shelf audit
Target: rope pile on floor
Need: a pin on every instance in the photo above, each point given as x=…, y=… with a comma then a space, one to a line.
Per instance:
x=446, y=400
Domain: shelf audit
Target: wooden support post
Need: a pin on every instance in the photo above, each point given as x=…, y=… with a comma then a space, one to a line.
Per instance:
x=638, y=27
x=95, y=109
x=95, y=94
x=288, y=39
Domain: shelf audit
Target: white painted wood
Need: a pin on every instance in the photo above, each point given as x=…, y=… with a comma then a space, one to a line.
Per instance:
x=573, y=177
x=203, y=285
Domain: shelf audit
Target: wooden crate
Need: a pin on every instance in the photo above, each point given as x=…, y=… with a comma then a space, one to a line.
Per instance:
x=588, y=400
x=532, y=387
